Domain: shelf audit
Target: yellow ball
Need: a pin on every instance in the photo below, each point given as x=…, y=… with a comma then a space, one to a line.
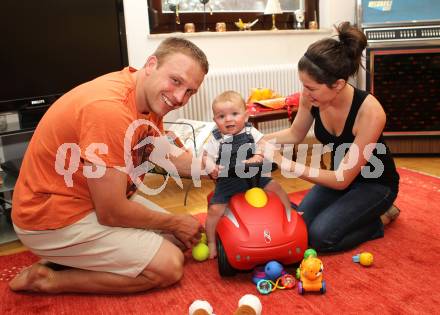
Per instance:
x=256, y=197
x=200, y=252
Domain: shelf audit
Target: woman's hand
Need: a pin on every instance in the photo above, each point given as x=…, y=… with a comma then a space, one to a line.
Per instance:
x=257, y=158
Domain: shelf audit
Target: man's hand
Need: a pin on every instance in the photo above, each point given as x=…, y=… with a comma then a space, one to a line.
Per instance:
x=188, y=230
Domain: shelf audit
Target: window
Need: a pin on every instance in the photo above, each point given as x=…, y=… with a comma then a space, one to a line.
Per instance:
x=225, y=5
x=163, y=17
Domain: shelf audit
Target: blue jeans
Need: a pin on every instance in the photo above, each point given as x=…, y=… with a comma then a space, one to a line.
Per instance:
x=339, y=220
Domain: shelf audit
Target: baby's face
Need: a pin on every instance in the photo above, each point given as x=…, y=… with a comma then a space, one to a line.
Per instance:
x=230, y=117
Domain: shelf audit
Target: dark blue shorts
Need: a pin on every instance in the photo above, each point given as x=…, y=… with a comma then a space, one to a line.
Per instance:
x=225, y=188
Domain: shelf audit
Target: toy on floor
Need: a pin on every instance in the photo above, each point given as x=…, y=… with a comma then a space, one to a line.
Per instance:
x=256, y=227
x=271, y=271
x=258, y=274
x=309, y=274
x=364, y=258
x=248, y=304
x=272, y=277
x=310, y=252
x=199, y=307
x=266, y=286
x=200, y=252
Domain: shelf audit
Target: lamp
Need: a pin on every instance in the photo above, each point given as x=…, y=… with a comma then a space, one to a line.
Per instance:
x=204, y=2
x=273, y=7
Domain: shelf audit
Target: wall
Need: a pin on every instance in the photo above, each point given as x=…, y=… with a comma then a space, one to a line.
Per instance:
x=228, y=50
x=336, y=11
x=232, y=49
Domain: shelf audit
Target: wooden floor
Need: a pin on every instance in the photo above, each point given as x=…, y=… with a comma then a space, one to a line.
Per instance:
x=172, y=196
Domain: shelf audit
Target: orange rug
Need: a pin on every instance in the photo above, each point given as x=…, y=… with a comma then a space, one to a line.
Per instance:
x=404, y=278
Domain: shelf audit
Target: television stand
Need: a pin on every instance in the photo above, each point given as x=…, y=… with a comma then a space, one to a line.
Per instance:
x=13, y=143
x=7, y=233
x=13, y=126
x=30, y=116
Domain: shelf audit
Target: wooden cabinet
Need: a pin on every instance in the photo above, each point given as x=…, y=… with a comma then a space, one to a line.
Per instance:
x=406, y=81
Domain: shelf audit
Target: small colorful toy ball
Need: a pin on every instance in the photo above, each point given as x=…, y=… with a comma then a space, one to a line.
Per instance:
x=273, y=270
x=364, y=258
x=200, y=252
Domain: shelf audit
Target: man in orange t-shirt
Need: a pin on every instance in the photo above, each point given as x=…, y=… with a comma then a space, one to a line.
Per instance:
x=70, y=204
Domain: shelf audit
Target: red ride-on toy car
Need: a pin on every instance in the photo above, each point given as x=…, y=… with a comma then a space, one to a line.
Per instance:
x=256, y=228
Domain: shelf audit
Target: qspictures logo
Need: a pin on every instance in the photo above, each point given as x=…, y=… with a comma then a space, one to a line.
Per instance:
x=346, y=156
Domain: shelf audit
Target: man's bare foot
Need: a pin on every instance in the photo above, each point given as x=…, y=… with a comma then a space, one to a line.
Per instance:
x=212, y=250
x=35, y=278
x=390, y=215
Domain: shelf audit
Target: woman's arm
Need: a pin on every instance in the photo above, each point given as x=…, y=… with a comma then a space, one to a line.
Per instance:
x=367, y=129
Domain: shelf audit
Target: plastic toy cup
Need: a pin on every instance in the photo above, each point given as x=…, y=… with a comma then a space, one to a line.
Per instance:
x=364, y=258
x=220, y=27
x=189, y=28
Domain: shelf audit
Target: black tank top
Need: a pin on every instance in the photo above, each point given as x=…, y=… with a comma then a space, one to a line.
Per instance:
x=341, y=144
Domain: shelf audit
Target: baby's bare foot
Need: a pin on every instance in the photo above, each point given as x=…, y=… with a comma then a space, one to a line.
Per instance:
x=212, y=250
x=35, y=278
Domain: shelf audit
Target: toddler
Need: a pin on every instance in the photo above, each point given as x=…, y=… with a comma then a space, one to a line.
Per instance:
x=233, y=132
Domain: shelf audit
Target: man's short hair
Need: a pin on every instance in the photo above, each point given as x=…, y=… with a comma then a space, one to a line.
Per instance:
x=173, y=45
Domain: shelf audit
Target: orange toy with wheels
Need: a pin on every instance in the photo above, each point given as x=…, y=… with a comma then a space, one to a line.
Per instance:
x=309, y=274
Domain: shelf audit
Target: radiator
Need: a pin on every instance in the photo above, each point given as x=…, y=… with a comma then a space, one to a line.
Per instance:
x=283, y=79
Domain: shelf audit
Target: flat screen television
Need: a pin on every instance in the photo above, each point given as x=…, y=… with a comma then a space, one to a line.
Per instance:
x=51, y=46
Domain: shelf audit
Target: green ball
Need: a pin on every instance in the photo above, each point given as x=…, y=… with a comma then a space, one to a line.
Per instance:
x=200, y=252
x=310, y=252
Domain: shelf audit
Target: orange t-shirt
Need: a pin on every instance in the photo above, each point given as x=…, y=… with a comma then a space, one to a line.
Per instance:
x=88, y=123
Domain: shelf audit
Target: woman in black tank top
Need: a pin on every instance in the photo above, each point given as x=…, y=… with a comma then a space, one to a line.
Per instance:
x=350, y=202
